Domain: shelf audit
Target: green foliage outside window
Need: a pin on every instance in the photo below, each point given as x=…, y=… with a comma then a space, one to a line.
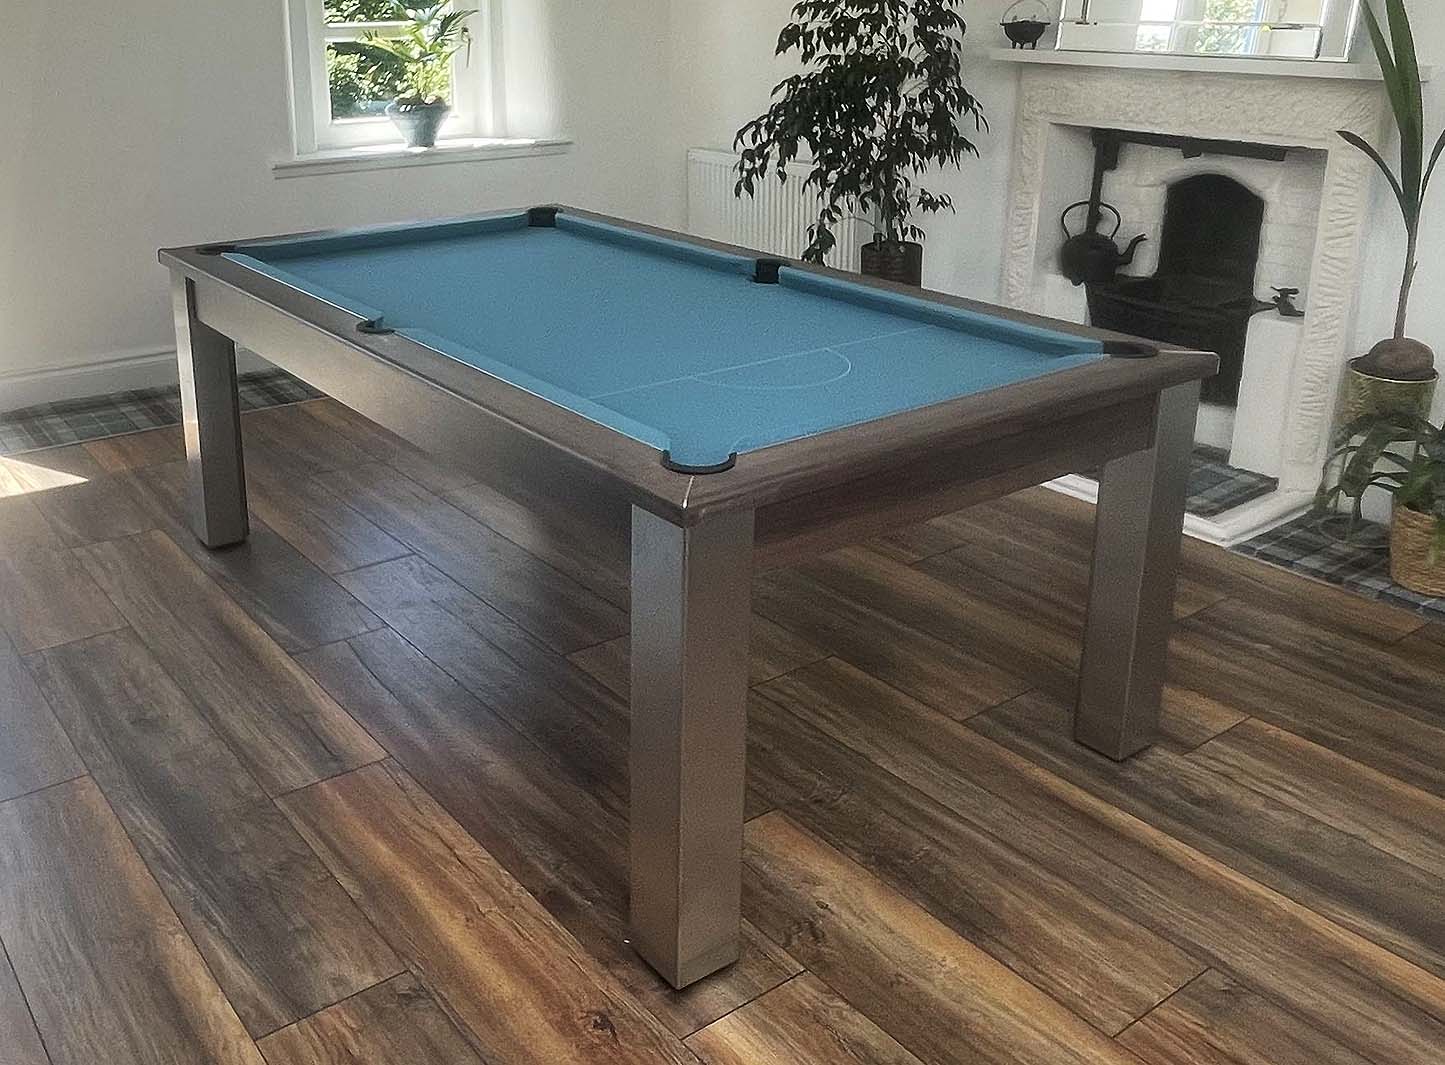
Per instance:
x=1227, y=40
x=359, y=10
x=414, y=65
x=360, y=86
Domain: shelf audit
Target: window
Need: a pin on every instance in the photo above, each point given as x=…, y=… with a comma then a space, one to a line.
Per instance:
x=340, y=87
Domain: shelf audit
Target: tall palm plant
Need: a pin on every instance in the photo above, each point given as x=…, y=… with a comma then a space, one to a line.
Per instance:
x=1401, y=358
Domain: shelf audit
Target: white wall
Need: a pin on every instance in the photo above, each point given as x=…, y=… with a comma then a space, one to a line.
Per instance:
x=723, y=72
x=155, y=122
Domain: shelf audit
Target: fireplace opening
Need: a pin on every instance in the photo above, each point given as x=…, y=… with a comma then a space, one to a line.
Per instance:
x=1202, y=295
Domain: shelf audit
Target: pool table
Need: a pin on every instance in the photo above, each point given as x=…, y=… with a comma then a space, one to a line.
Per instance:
x=703, y=412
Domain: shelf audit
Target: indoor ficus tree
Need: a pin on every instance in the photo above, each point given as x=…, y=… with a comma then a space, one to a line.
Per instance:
x=880, y=99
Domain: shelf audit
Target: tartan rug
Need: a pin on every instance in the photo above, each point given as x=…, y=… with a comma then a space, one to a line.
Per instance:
x=1323, y=547
x=77, y=420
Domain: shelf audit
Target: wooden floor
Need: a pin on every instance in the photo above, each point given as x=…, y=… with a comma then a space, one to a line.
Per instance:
x=356, y=793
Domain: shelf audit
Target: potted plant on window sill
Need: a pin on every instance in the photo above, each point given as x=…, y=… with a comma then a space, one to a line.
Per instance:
x=1398, y=373
x=424, y=48
x=1403, y=454
x=880, y=100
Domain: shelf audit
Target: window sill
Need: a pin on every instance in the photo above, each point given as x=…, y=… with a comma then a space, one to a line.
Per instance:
x=394, y=156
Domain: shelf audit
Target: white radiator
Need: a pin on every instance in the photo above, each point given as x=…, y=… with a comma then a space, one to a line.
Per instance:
x=776, y=220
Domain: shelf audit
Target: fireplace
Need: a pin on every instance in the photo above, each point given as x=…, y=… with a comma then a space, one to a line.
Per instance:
x=1202, y=295
x=1315, y=191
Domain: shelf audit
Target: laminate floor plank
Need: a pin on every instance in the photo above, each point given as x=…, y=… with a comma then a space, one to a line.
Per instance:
x=935, y=670
x=23, y=528
x=136, y=451
x=1040, y=537
x=285, y=729
x=1256, y=674
x=801, y=1023
x=36, y=472
x=1433, y=633
x=577, y=552
x=1353, y=990
x=309, y=443
x=1402, y=821
x=104, y=508
x=1425, y=646
x=385, y=446
x=1332, y=871
x=914, y=543
x=523, y=987
x=548, y=604
x=773, y=651
x=1036, y=590
x=47, y=598
x=1044, y=655
x=394, y=1023
x=577, y=720
x=281, y=937
x=297, y=604
x=35, y=752
x=282, y=491
x=1101, y=965
x=107, y=968
x=1218, y=1021
x=1050, y=525
x=552, y=835
x=19, y=1041
x=939, y=996
x=1324, y=653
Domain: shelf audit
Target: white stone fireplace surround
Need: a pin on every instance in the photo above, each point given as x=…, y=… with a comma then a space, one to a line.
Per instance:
x=1293, y=395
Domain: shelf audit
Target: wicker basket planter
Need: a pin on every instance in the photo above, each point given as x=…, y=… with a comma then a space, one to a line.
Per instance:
x=1364, y=394
x=1412, y=535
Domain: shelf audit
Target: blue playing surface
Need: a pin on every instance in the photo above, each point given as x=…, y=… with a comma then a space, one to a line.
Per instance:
x=665, y=342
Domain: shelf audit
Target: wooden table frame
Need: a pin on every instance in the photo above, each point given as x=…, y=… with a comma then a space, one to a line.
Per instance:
x=693, y=541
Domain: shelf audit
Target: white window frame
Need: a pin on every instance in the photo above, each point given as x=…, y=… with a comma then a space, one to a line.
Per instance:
x=312, y=126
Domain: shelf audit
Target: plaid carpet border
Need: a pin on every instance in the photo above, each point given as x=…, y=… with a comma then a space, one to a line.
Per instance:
x=78, y=420
x=1215, y=486
x=1323, y=547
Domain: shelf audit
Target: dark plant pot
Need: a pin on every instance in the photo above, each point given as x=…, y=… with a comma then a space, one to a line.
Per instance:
x=418, y=124
x=1025, y=32
x=894, y=260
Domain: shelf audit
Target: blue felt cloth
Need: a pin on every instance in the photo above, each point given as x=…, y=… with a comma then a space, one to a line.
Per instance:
x=668, y=343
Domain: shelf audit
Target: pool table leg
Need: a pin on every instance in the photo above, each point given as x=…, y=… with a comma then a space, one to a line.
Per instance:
x=212, y=419
x=1139, y=527
x=691, y=607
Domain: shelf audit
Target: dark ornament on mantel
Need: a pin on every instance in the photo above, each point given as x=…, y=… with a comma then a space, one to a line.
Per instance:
x=1025, y=31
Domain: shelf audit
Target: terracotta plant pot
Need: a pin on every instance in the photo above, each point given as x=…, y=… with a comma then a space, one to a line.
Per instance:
x=1365, y=393
x=418, y=124
x=1412, y=536
x=894, y=260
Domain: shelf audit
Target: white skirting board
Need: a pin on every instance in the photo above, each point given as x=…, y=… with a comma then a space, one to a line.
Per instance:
x=122, y=372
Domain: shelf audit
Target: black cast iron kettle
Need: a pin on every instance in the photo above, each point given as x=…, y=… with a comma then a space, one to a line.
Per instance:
x=1089, y=256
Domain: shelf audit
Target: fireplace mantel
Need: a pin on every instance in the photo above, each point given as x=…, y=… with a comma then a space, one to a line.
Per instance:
x=1200, y=64
x=1294, y=112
